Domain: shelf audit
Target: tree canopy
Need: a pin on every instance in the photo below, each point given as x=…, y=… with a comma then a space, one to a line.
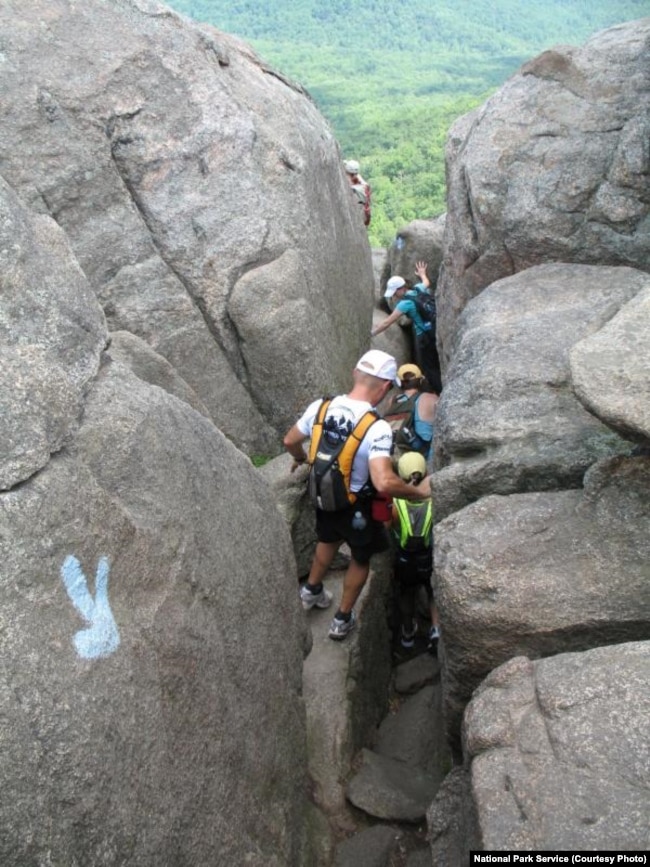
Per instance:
x=392, y=77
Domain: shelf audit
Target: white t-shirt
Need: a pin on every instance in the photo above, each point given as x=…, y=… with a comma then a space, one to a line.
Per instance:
x=342, y=415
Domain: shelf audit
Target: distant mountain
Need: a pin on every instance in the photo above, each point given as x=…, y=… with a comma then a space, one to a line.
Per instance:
x=391, y=77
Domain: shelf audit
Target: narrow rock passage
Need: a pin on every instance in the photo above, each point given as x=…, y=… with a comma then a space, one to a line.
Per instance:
x=375, y=736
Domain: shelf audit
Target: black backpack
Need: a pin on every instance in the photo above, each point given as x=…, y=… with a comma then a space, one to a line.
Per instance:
x=425, y=304
x=331, y=464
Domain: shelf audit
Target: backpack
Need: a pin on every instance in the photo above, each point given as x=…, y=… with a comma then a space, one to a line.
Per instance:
x=425, y=304
x=405, y=438
x=400, y=411
x=330, y=465
x=415, y=523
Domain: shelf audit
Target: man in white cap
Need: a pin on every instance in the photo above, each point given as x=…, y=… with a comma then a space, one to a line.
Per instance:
x=360, y=187
x=371, y=471
x=425, y=332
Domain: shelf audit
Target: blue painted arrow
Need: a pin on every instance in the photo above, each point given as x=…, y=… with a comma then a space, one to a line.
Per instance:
x=102, y=637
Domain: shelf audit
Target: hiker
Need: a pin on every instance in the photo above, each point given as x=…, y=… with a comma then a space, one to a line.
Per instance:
x=425, y=330
x=411, y=414
x=347, y=515
x=360, y=187
x=413, y=558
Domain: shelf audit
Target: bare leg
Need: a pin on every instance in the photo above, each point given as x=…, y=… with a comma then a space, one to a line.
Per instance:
x=323, y=557
x=355, y=577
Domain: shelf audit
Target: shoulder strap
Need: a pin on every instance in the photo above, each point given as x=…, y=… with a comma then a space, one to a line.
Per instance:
x=351, y=446
x=415, y=414
x=317, y=429
x=346, y=454
x=415, y=519
x=400, y=411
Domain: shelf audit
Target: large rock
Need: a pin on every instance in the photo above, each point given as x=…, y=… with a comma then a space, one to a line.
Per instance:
x=508, y=419
x=420, y=240
x=203, y=195
x=151, y=709
x=152, y=368
x=451, y=820
x=559, y=752
x=52, y=332
x=373, y=847
x=390, y=789
x=292, y=499
x=543, y=573
x=177, y=738
x=414, y=734
x=610, y=370
x=553, y=167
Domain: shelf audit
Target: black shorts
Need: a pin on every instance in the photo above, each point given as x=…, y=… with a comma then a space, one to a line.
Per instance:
x=414, y=568
x=364, y=542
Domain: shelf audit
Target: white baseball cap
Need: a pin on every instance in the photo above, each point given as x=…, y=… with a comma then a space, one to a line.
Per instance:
x=379, y=364
x=352, y=167
x=393, y=285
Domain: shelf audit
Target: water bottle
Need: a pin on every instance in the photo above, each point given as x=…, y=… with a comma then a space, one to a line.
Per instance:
x=358, y=521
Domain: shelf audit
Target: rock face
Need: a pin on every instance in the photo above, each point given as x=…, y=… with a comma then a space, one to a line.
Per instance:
x=508, y=419
x=552, y=168
x=451, y=820
x=391, y=789
x=542, y=489
x=559, y=751
x=543, y=573
x=50, y=351
x=610, y=370
x=149, y=711
x=203, y=195
x=420, y=240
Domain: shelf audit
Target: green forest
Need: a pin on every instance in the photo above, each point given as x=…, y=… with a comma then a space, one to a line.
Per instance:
x=392, y=77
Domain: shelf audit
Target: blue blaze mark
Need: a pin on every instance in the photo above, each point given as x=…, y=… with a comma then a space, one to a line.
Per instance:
x=102, y=637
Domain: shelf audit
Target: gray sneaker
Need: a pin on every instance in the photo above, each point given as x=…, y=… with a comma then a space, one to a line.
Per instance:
x=318, y=600
x=340, y=628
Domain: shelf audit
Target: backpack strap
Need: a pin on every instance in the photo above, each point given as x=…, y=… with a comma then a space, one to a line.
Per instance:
x=414, y=416
x=345, y=456
x=415, y=521
x=317, y=429
x=351, y=447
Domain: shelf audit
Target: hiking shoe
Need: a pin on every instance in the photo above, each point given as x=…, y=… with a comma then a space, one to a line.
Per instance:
x=311, y=600
x=340, y=628
x=407, y=639
x=434, y=635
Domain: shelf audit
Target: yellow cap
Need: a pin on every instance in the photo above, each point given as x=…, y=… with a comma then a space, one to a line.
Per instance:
x=413, y=369
x=411, y=462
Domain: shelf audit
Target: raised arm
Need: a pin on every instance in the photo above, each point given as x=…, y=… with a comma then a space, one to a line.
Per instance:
x=421, y=271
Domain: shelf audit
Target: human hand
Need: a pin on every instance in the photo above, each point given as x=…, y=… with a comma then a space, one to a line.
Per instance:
x=421, y=269
x=424, y=488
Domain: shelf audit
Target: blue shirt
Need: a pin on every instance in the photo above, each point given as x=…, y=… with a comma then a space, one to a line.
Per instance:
x=424, y=429
x=406, y=305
